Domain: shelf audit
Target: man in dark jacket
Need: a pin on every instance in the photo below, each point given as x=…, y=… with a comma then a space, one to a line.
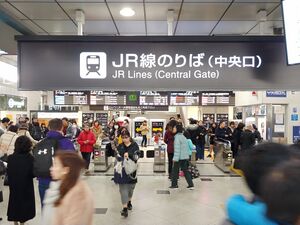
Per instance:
x=247, y=138
x=200, y=140
x=192, y=128
x=55, y=132
x=230, y=131
x=35, y=130
x=221, y=131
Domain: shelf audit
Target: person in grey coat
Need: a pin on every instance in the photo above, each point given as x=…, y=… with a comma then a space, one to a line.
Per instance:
x=181, y=157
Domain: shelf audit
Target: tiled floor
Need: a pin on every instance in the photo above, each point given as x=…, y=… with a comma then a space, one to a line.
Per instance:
x=153, y=205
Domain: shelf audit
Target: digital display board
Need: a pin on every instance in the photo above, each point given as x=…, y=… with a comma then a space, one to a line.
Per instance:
x=217, y=98
x=291, y=9
x=154, y=98
x=108, y=98
x=71, y=97
x=102, y=118
x=184, y=98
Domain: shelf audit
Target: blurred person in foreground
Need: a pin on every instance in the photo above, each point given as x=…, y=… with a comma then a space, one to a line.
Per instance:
x=69, y=200
x=255, y=164
x=281, y=193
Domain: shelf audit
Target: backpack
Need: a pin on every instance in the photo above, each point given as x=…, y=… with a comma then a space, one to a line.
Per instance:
x=43, y=154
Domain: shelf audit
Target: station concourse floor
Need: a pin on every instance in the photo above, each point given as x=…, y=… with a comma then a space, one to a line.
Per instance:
x=155, y=204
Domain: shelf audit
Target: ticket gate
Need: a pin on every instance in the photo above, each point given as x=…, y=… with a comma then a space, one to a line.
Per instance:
x=101, y=162
x=160, y=159
x=223, y=155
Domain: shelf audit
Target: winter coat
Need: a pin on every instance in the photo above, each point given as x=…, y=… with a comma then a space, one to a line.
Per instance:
x=200, y=138
x=68, y=131
x=133, y=152
x=181, y=148
x=191, y=146
x=193, y=130
x=230, y=134
x=21, y=204
x=144, y=129
x=237, y=138
x=76, y=208
x=26, y=133
x=86, y=136
x=63, y=143
x=169, y=140
x=241, y=212
x=257, y=136
x=35, y=131
x=97, y=131
x=7, y=142
x=222, y=133
x=247, y=140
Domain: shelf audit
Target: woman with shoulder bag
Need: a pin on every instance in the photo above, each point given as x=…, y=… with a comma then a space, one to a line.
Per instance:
x=125, y=170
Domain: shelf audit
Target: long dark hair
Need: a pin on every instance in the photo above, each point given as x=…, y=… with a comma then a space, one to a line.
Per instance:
x=75, y=164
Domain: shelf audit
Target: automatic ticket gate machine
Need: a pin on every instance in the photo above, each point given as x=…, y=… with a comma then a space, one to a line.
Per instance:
x=159, y=165
x=101, y=162
x=223, y=155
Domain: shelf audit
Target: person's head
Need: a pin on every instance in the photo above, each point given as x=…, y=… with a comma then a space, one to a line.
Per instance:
x=178, y=116
x=43, y=125
x=116, y=126
x=13, y=128
x=125, y=135
x=27, y=119
x=222, y=124
x=5, y=121
x=65, y=121
x=214, y=125
x=23, y=145
x=126, y=121
x=10, y=123
x=254, y=127
x=240, y=126
x=66, y=168
x=86, y=127
x=256, y=163
x=187, y=134
x=172, y=124
x=55, y=124
x=172, y=118
x=200, y=123
x=178, y=128
x=232, y=124
x=96, y=123
x=192, y=121
x=111, y=124
x=145, y=122
x=281, y=193
x=35, y=120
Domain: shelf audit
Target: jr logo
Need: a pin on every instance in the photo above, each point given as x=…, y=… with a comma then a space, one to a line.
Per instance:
x=93, y=65
x=43, y=151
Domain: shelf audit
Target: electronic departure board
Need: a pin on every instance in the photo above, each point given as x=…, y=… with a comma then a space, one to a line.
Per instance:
x=154, y=98
x=184, y=98
x=71, y=97
x=107, y=98
x=217, y=98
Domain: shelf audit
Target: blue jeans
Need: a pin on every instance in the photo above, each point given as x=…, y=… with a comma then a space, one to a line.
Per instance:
x=200, y=151
x=43, y=187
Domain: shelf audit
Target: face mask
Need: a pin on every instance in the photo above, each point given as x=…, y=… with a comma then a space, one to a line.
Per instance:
x=116, y=126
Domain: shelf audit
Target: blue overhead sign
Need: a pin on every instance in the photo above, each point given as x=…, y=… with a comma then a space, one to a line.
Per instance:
x=278, y=94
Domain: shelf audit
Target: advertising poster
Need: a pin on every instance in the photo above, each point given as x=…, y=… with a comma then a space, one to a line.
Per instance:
x=87, y=118
x=102, y=118
x=137, y=130
x=157, y=128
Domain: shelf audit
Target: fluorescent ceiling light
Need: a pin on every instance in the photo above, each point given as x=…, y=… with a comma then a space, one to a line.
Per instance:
x=8, y=72
x=127, y=12
x=2, y=52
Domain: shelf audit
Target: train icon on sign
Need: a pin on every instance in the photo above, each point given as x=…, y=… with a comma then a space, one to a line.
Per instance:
x=93, y=65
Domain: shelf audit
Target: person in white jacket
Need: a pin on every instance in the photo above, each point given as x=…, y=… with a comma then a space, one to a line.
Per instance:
x=8, y=139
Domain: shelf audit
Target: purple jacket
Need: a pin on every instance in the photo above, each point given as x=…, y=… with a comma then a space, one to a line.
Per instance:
x=64, y=143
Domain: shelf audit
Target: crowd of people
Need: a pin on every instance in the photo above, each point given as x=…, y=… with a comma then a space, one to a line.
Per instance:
x=270, y=170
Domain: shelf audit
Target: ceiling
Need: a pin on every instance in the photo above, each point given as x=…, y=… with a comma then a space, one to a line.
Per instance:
x=192, y=17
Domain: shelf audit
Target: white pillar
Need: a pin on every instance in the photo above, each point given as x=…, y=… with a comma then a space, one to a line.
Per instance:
x=262, y=18
x=170, y=21
x=80, y=19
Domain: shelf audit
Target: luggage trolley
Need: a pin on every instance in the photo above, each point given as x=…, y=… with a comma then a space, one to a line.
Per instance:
x=223, y=155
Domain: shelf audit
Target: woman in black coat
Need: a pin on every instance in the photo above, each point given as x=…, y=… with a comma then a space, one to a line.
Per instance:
x=21, y=205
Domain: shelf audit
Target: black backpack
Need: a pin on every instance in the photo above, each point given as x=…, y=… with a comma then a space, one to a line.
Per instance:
x=43, y=154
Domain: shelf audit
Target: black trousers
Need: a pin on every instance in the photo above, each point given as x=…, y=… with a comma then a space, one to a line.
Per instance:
x=144, y=140
x=183, y=164
x=87, y=157
x=170, y=160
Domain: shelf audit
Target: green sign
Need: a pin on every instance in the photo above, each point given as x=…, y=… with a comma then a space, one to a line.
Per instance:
x=13, y=103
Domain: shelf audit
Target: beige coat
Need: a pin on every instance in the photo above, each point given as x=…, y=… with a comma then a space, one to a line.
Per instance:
x=77, y=207
x=26, y=133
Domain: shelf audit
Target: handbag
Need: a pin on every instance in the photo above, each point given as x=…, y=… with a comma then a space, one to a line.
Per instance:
x=2, y=168
x=130, y=166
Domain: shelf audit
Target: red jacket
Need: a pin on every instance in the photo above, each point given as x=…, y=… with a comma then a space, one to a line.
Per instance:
x=84, y=136
x=169, y=140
